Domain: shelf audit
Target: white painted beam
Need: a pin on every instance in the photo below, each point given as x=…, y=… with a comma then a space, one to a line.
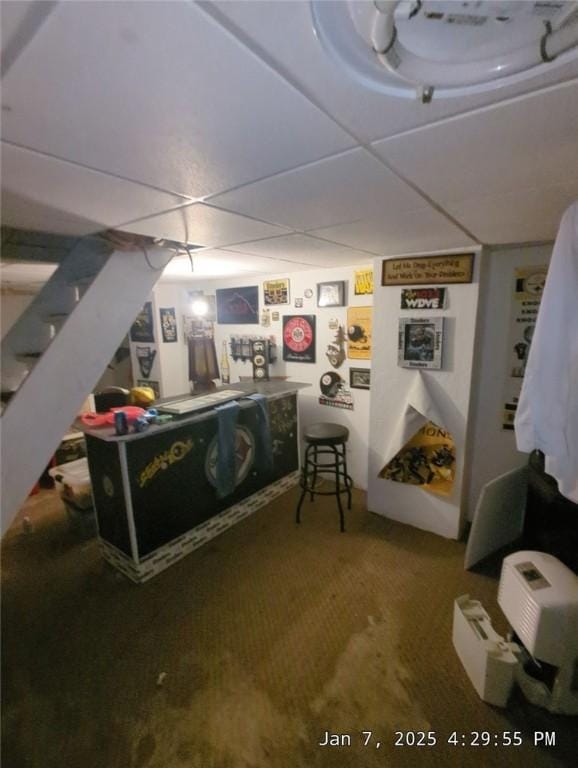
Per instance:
x=45, y=405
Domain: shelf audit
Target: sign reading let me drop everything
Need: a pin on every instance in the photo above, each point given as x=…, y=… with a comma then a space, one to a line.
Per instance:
x=421, y=270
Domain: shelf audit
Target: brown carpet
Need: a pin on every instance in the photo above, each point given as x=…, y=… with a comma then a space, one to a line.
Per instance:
x=269, y=636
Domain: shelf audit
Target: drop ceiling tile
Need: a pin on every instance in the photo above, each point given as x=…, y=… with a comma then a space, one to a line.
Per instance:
x=421, y=230
x=524, y=215
x=220, y=263
x=40, y=192
x=273, y=28
x=302, y=250
x=203, y=225
x=161, y=94
x=331, y=191
x=527, y=143
x=19, y=23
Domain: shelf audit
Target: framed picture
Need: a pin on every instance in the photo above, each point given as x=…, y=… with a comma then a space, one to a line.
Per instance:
x=276, y=291
x=331, y=294
x=420, y=342
x=238, y=305
x=428, y=270
x=299, y=338
x=360, y=378
x=359, y=333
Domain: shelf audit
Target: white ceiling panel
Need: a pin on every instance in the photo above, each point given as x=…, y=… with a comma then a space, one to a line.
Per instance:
x=161, y=94
x=221, y=263
x=273, y=28
x=332, y=191
x=530, y=142
x=40, y=192
x=421, y=230
x=302, y=250
x=523, y=215
x=19, y=23
x=203, y=225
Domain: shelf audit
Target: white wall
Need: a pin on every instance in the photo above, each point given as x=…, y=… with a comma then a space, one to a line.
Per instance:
x=450, y=387
x=12, y=305
x=494, y=449
x=357, y=421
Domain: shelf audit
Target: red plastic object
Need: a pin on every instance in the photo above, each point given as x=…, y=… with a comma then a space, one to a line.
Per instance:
x=107, y=419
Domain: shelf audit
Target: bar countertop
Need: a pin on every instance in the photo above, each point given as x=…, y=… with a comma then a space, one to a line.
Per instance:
x=270, y=389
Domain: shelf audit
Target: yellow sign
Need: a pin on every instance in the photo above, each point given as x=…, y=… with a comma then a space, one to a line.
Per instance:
x=363, y=282
x=176, y=452
x=359, y=333
x=428, y=459
x=276, y=291
x=425, y=270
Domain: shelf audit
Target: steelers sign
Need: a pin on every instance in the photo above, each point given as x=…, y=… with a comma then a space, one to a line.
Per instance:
x=299, y=338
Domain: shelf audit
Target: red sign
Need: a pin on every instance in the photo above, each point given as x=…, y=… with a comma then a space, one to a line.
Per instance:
x=299, y=338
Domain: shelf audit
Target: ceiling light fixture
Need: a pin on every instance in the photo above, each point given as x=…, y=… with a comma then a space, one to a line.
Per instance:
x=419, y=48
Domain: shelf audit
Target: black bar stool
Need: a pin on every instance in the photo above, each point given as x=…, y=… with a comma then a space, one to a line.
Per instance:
x=326, y=439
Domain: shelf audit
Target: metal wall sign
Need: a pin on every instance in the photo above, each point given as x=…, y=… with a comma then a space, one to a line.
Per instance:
x=423, y=298
x=424, y=270
x=299, y=338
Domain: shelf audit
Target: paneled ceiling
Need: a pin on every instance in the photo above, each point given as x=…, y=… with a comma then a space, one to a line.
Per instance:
x=227, y=125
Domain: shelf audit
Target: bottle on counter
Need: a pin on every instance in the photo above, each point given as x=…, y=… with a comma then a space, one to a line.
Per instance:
x=225, y=368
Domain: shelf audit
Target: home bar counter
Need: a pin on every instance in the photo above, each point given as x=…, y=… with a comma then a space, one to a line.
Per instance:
x=155, y=492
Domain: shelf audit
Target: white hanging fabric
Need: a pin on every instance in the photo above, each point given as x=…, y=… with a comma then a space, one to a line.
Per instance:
x=547, y=414
x=418, y=408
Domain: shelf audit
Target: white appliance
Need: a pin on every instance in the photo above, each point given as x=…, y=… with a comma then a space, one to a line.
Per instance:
x=539, y=597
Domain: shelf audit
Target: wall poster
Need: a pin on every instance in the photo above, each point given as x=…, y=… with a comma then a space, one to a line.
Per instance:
x=421, y=270
x=359, y=333
x=420, y=342
x=276, y=291
x=238, y=305
x=142, y=329
x=363, y=282
x=528, y=285
x=427, y=459
x=299, y=338
x=145, y=357
x=168, y=324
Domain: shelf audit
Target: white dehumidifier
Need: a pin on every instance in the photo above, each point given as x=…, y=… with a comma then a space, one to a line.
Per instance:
x=539, y=596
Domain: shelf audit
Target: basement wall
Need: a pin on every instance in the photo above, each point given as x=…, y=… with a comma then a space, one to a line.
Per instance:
x=174, y=369
x=494, y=449
x=450, y=387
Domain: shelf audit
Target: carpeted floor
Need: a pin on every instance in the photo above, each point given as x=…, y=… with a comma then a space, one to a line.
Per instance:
x=268, y=637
